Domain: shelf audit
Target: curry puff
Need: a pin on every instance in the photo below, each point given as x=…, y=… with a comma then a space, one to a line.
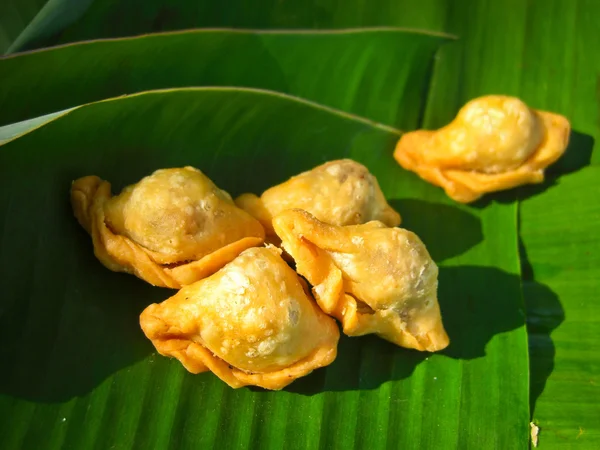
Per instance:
x=494, y=143
x=372, y=278
x=341, y=192
x=251, y=323
x=172, y=228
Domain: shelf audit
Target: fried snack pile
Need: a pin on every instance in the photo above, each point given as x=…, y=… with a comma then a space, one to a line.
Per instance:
x=251, y=323
x=172, y=228
x=372, y=278
x=341, y=192
x=241, y=311
x=494, y=143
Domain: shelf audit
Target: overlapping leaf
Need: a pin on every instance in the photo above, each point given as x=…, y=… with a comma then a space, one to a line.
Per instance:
x=541, y=51
x=109, y=19
x=379, y=73
x=26, y=23
x=15, y=15
x=78, y=357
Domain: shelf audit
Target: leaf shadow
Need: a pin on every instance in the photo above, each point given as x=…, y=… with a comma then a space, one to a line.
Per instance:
x=544, y=314
x=95, y=331
x=577, y=156
x=438, y=222
x=83, y=330
x=477, y=304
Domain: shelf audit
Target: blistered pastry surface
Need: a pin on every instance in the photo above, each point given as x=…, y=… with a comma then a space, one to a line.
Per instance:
x=171, y=229
x=253, y=314
x=178, y=214
x=373, y=278
x=494, y=143
x=341, y=192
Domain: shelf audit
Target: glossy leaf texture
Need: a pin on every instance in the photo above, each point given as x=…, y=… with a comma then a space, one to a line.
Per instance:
x=536, y=49
x=110, y=19
x=25, y=23
x=540, y=51
x=381, y=74
x=15, y=15
x=80, y=374
x=561, y=247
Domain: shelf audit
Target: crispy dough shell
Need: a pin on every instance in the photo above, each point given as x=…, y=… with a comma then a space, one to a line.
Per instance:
x=344, y=295
x=466, y=186
x=121, y=254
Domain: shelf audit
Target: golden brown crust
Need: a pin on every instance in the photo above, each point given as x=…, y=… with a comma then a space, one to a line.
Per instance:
x=495, y=143
x=372, y=278
x=250, y=323
x=341, y=192
x=91, y=199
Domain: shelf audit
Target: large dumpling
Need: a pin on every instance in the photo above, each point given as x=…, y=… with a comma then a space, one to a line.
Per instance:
x=251, y=323
x=373, y=278
x=494, y=143
x=170, y=229
x=341, y=192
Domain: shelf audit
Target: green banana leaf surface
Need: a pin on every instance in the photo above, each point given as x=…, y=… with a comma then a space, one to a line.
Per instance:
x=97, y=377
x=559, y=230
x=26, y=23
x=539, y=243
x=15, y=15
x=380, y=73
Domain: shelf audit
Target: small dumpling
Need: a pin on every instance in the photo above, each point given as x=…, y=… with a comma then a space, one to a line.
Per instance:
x=494, y=143
x=170, y=229
x=251, y=323
x=372, y=278
x=341, y=192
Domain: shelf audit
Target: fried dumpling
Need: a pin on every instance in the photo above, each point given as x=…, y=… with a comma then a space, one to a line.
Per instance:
x=251, y=323
x=170, y=229
x=372, y=278
x=341, y=192
x=494, y=143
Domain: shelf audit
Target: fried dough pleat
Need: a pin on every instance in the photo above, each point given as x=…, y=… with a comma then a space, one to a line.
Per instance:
x=170, y=229
x=341, y=192
x=372, y=278
x=251, y=323
x=494, y=143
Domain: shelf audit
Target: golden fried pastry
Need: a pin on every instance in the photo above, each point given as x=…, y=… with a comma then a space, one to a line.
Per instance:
x=341, y=192
x=170, y=229
x=372, y=278
x=494, y=143
x=251, y=323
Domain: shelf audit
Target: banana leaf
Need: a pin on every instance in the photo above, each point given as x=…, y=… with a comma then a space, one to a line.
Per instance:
x=26, y=22
x=559, y=232
x=110, y=19
x=80, y=374
x=15, y=15
x=542, y=51
x=378, y=73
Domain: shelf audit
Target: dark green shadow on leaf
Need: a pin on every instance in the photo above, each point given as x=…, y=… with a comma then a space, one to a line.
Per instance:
x=544, y=314
x=477, y=304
